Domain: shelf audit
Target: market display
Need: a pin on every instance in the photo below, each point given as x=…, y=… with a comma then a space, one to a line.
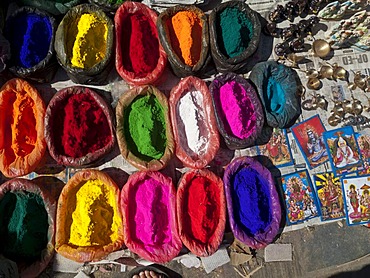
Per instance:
x=275, y=142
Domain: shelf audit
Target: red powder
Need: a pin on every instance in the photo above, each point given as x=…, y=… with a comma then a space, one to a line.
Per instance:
x=201, y=209
x=140, y=46
x=85, y=126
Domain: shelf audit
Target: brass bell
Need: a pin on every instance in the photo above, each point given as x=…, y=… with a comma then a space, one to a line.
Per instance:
x=322, y=102
x=340, y=73
x=347, y=106
x=334, y=120
x=326, y=71
x=360, y=80
x=352, y=86
x=321, y=48
x=312, y=73
x=338, y=109
x=357, y=107
x=313, y=83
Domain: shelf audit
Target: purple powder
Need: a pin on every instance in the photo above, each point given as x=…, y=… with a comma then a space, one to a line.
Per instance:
x=237, y=110
x=251, y=201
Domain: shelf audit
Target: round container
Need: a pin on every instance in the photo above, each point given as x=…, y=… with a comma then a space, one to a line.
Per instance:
x=144, y=131
x=201, y=211
x=148, y=204
x=248, y=182
x=235, y=32
x=140, y=58
x=183, y=32
x=84, y=44
x=89, y=221
x=193, y=122
x=238, y=110
x=22, y=143
x=27, y=219
x=79, y=127
x=31, y=33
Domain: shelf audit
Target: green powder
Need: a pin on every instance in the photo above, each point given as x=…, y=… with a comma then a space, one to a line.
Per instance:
x=236, y=31
x=23, y=226
x=145, y=128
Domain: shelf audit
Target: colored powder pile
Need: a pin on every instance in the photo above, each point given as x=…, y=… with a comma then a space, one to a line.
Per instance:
x=30, y=36
x=251, y=201
x=145, y=128
x=192, y=125
x=140, y=46
x=19, y=125
x=91, y=41
x=274, y=96
x=23, y=226
x=95, y=219
x=150, y=214
x=235, y=30
x=82, y=126
x=185, y=30
x=237, y=110
x=202, y=209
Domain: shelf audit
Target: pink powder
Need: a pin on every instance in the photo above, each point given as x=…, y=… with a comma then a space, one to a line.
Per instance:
x=151, y=223
x=237, y=109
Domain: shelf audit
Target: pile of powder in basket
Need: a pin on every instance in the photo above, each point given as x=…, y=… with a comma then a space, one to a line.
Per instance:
x=82, y=126
x=94, y=217
x=191, y=120
x=30, y=37
x=185, y=30
x=140, y=46
x=23, y=226
x=91, y=41
x=237, y=110
x=145, y=128
x=236, y=31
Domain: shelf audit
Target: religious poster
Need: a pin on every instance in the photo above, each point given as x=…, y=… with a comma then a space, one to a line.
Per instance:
x=357, y=199
x=277, y=149
x=344, y=154
x=299, y=196
x=363, y=142
x=309, y=139
x=329, y=195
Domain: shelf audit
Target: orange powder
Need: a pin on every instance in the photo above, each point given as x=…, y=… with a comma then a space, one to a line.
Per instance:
x=185, y=30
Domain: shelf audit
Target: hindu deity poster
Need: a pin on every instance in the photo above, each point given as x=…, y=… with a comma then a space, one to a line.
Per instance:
x=299, y=196
x=277, y=149
x=309, y=138
x=357, y=199
x=363, y=142
x=344, y=154
x=329, y=195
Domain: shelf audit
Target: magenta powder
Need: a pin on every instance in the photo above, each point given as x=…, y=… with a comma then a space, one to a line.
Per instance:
x=237, y=110
x=151, y=223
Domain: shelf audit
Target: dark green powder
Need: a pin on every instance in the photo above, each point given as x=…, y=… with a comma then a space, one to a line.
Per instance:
x=23, y=226
x=234, y=31
x=145, y=128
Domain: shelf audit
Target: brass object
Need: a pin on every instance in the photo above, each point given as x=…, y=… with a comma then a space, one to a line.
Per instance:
x=321, y=48
x=312, y=73
x=352, y=86
x=294, y=59
x=309, y=104
x=340, y=73
x=334, y=120
x=321, y=102
x=338, y=109
x=313, y=83
x=357, y=107
x=326, y=71
x=360, y=80
x=347, y=106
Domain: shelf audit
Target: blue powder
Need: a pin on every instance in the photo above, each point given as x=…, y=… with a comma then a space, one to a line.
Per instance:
x=30, y=37
x=251, y=201
x=274, y=96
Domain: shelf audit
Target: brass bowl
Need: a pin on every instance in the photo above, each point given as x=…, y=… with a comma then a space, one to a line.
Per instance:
x=321, y=48
x=313, y=84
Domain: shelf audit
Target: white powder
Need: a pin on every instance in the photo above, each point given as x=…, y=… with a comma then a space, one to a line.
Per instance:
x=192, y=123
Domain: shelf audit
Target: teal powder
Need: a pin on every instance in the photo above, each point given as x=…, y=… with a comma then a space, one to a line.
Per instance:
x=274, y=97
x=251, y=201
x=235, y=30
x=23, y=226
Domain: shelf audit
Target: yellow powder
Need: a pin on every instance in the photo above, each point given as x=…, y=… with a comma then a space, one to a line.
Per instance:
x=95, y=220
x=91, y=42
